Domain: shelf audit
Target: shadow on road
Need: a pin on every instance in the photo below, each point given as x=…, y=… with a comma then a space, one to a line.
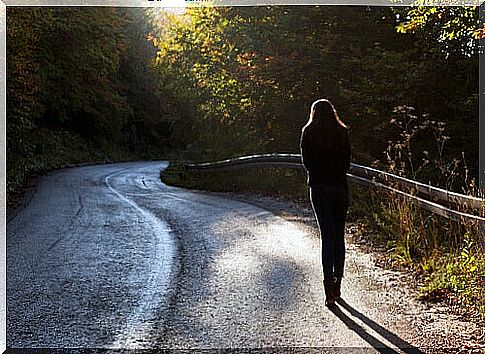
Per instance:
x=376, y=343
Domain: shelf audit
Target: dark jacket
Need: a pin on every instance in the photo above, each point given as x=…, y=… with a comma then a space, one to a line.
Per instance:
x=327, y=166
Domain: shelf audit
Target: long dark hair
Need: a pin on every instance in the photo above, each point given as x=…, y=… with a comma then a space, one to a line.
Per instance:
x=325, y=125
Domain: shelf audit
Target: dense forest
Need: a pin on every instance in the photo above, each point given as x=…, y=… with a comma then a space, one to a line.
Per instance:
x=404, y=80
x=80, y=88
x=107, y=84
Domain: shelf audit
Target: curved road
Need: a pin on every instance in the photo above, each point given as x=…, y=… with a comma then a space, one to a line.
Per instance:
x=109, y=257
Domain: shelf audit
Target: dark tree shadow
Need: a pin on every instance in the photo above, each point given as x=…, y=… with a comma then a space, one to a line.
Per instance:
x=376, y=343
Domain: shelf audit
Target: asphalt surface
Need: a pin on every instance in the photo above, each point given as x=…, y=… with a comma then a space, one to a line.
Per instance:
x=109, y=257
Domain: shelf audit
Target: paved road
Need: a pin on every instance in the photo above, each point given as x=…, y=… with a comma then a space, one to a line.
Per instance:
x=108, y=257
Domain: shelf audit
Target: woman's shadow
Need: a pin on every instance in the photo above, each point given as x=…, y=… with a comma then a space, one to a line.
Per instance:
x=376, y=343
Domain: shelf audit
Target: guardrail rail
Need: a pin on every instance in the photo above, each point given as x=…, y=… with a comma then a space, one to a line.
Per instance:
x=437, y=200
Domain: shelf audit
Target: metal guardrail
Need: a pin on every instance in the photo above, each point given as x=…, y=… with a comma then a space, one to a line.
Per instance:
x=437, y=194
x=368, y=176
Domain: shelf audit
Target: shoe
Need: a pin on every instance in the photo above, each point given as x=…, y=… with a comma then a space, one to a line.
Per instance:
x=329, y=291
x=336, y=289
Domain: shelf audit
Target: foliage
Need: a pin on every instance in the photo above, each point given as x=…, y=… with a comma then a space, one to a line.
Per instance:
x=418, y=134
x=458, y=28
x=79, y=75
x=458, y=274
x=23, y=77
x=198, y=62
x=147, y=125
x=79, y=54
x=445, y=253
x=242, y=79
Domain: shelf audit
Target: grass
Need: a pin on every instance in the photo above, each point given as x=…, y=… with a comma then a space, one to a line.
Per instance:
x=445, y=255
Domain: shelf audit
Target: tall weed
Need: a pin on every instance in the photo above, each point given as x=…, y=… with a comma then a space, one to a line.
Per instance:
x=445, y=252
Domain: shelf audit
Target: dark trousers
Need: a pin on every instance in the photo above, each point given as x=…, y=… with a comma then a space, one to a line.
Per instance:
x=330, y=205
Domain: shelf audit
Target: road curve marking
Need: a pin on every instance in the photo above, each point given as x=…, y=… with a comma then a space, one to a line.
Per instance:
x=160, y=273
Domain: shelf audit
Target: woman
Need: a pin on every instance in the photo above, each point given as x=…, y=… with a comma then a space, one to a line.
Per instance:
x=325, y=151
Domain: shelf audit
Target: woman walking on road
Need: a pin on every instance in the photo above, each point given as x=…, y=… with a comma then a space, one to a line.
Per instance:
x=325, y=151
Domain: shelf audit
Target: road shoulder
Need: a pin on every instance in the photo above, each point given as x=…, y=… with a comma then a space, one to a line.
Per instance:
x=438, y=326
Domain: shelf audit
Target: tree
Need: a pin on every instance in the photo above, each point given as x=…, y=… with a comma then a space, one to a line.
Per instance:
x=247, y=77
x=80, y=87
x=456, y=29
